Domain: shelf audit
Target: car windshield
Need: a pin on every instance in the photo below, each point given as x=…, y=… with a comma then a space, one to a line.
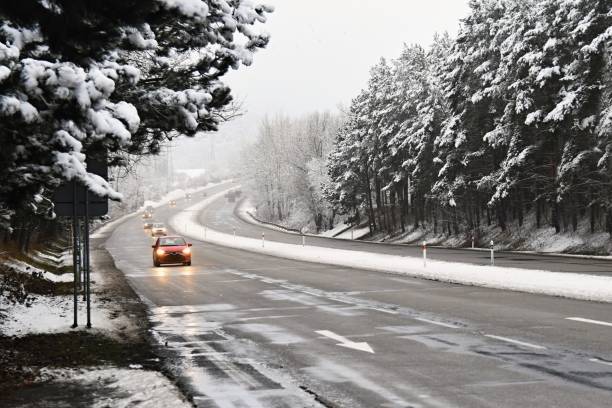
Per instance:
x=176, y=241
x=157, y=225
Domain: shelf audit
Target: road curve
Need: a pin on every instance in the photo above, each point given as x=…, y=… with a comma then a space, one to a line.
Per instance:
x=247, y=329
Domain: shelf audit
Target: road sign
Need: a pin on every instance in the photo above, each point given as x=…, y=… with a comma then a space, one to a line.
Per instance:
x=64, y=195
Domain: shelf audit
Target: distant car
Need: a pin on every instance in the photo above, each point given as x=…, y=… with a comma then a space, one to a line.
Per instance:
x=147, y=215
x=147, y=225
x=172, y=203
x=188, y=196
x=171, y=250
x=158, y=229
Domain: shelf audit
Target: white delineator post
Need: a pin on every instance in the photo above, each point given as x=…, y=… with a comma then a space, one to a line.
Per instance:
x=352, y=233
x=234, y=233
x=473, y=240
x=303, y=240
x=424, y=254
x=263, y=239
x=492, y=254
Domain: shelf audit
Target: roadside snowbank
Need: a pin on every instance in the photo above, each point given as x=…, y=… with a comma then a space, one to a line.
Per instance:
x=570, y=285
x=123, y=387
x=172, y=195
x=25, y=268
x=59, y=260
x=355, y=233
x=53, y=314
x=246, y=211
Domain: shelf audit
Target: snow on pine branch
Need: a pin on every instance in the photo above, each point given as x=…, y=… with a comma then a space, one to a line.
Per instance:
x=143, y=68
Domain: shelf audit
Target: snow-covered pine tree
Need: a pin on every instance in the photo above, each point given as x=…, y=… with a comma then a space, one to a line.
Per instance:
x=475, y=103
x=424, y=127
x=401, y=113
x=348, y=167
x=79, y=77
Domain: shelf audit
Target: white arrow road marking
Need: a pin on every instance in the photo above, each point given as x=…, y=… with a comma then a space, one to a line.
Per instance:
x=344, y=342
x=580, y=319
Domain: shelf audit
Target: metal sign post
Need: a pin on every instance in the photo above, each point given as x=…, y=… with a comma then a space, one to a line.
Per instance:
x=87, y=268
x=75, y=250
x=74, y=200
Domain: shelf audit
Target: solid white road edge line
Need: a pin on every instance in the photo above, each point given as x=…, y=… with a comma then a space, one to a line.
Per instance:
x=520, y=343
x=582, y=320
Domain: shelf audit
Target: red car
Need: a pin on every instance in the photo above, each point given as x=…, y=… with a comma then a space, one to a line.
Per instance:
x=171, y=250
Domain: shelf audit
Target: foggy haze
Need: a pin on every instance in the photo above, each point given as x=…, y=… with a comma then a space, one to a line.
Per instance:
x=319, y=57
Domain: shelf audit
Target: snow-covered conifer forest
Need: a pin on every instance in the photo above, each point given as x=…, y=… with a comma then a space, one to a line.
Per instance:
x=511, y=119
x=118, y=76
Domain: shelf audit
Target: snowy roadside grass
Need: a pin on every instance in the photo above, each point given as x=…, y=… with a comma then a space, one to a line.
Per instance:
x=53, y=314
x=112, y=364
x=122, y=387
x=569, y=285
x=27, y=269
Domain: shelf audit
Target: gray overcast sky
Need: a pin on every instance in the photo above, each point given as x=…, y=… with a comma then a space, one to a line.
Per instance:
x=321, y=52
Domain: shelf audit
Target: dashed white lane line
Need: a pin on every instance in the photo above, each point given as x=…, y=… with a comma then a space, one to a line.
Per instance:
x=378, y=309
x=520, y=343
x=582, y=320
x=596, y=360
x=447, y=325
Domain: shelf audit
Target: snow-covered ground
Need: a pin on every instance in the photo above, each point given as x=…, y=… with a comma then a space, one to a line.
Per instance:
x=53, y=314
x=123, y=387
x=25, y=268
x=335, y=231
x=59, y=260
x=354, y=233
x=109, y=386
x=570, y=285
x=527, y=237
x=247, y=212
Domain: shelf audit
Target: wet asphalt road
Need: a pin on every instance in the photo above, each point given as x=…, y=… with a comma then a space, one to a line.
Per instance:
x=257, y=331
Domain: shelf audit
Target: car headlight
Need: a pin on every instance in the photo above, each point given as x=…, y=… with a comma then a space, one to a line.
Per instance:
x=160, y=251
x=187, y=251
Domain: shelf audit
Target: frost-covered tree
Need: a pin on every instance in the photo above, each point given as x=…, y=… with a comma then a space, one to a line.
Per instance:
x=511, y=118
x=81, y=77
x=286, y=170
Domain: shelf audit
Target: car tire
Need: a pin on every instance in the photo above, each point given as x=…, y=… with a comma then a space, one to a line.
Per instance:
x=156, y=264
x=188, y=263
